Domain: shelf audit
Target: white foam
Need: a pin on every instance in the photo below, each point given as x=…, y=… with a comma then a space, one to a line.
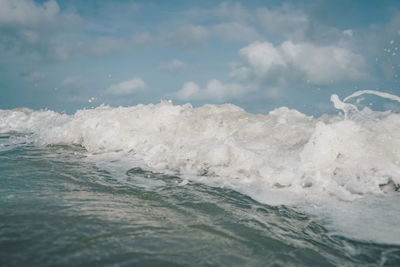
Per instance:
x=284, y=157
x=372, y=92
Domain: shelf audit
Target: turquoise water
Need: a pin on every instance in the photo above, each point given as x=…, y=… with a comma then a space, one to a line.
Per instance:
x=57, y=208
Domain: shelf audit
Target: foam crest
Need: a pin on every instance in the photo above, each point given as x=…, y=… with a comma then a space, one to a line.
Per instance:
x=282, y=157
x=345, y=169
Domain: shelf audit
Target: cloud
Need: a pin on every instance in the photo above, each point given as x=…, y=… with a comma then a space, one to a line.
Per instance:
x=106, y=45
x=305, y=62
x=235, y=31
x=381, y=44
x=173, y=66
x=292, y=23
x=262, y=57
x=299, y=25
x=127, y=87
x=27, y=13
x=38, y=29
x=235, y=12
x=215, y=91
x=189, y=37
x=193, y=37
x=227, y=12
x=142, y=38
x=189, y=91
x=229, y=22
x=46, y=32
x=34, y=76
x=72, y=80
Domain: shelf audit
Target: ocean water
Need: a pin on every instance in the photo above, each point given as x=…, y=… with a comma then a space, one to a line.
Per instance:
x=171, y=185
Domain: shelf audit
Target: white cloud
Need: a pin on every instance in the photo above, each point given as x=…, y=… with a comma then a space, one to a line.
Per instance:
x=60, y=51
x=348, y=33
x=234, y=12
x=289, y=62
x=106, y=45
x=142, y=38
x=189, y=91
x=38, y=29
x=285, y=20
x=28, y=14
x=189, y=37
x=47, y=32
x=378, y=46
x=235, y=31
x=240, y=71
x=214, y=91
x=262, y=57
x=30, y=37
x=196, y=36
x=128, y=87
x=173, y=66
x=226, y=12
x=230, y=21
x=35, y=76
x=72, y=80
x=296, y=24
x=272, y=92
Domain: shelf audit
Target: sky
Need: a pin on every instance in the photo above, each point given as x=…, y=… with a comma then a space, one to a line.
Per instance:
x=66, y=55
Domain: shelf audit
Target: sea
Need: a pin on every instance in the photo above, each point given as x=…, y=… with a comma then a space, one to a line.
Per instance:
x=176, y=185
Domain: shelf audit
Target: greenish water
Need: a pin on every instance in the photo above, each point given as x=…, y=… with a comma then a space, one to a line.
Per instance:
x=58, y=209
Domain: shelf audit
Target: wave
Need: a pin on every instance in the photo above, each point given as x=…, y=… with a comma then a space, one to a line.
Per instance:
x=345, y=167
x=284, y=151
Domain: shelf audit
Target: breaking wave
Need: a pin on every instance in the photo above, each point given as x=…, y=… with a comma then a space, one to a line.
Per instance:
x=284, y=157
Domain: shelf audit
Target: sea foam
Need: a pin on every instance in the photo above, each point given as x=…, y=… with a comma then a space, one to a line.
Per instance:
x=284, y=151
x=283, y=157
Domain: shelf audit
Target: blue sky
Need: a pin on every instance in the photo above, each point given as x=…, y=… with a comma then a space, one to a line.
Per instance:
x=68, y=54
